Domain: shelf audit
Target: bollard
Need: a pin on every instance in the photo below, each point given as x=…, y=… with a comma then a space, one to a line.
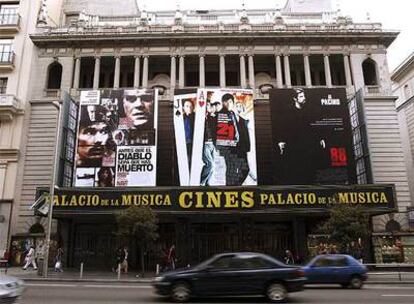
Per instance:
x=119, y=271
x=81, y=271
x=399, y=272
x=157, y=270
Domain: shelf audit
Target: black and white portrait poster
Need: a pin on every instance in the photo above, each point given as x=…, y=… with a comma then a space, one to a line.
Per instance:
x=223, y=144
x=311, y=137
x=117, y=138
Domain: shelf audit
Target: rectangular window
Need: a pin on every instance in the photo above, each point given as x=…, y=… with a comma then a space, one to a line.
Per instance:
x=8, y=14
x=6, y=50
x=3, y=85
x=360, y=139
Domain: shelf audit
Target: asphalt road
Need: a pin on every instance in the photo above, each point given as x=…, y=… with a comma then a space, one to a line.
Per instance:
x=91, y=293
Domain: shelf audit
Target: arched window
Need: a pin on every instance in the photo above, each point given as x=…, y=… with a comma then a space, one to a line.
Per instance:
x=369, y=68
x=54, y=76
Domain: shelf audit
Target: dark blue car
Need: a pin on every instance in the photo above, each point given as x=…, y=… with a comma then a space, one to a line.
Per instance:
x=232, y=274
x=336, y=269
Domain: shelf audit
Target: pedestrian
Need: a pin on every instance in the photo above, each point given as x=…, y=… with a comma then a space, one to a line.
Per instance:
x=120, y=256
x=30, y=258
x=289, y=260
x=124, y=265
x=171, y=258
x=58, y=260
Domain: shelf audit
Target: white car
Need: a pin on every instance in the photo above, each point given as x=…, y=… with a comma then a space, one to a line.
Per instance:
x=10, y=288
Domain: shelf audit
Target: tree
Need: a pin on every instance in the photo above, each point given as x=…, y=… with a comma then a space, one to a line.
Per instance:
x=140, y=223
x=347, y=223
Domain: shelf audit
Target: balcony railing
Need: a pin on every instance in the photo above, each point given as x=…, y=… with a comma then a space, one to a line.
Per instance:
x=376, y=90
x=6, y=58
x=55, y=93
x=9, y=106
x=9, y=20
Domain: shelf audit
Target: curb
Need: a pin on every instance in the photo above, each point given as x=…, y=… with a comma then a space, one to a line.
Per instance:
x=148, y=281
x=141, y=281
x=388, y=282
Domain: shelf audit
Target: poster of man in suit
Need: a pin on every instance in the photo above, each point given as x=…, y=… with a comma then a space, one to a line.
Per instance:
x=311, y=137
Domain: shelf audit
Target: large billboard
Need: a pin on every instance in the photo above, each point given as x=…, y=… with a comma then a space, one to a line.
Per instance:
x=311, y=137
x=215, y=137
x=116, y=138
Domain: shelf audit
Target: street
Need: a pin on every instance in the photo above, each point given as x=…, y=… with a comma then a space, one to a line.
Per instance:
x=90, y=293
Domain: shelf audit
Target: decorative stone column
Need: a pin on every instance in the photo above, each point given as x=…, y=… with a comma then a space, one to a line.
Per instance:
x=145, y=72
x=222, y=71
x=288, y=81
x=308, y=78
x=173, y=76
x=347, y=69
x=279, y=77
x=117, y=71
x=76, y=77
x=202, y=76
x=251, y=72
x=96, y=72
x=137, y=71
x=327, y=70
x=243, y=81
x=181, y=72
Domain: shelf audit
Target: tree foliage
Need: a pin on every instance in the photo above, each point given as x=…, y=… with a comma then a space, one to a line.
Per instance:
x=138, y=222
x=141, y=224
x=346, y=223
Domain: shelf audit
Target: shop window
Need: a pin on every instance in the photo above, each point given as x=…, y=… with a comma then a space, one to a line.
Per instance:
x=388, y=249
x=3, y=85
x=369, y=68
x=54, y=76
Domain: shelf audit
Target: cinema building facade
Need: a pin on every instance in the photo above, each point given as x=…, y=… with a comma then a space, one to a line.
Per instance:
x=167, y=58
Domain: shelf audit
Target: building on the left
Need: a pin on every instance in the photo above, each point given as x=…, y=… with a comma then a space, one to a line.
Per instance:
x=17, y=20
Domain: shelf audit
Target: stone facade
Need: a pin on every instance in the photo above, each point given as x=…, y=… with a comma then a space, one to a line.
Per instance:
x=403, y=88
x=306, y=44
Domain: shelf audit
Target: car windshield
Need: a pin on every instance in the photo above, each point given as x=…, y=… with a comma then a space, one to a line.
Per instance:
x=225, y=261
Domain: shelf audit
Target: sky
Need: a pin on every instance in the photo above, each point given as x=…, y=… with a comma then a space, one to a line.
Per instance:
x=394, y=15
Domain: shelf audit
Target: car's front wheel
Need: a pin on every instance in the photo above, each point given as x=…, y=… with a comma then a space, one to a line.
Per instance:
x=277, y=293
x=356, y=282
x=180, y=292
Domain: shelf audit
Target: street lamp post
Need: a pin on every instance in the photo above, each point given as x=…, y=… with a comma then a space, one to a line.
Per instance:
x=52, y=191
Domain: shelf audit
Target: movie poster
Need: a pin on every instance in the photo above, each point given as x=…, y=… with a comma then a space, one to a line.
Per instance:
x=117, y=138
x=184, y=123
x=311, y=137
x=215, y=137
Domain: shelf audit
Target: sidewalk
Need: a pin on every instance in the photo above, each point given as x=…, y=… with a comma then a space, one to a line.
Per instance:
x=73, y=275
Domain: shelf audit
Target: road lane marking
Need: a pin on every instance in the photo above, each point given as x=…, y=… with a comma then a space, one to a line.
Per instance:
x=389, y=287
x=49, y=285
x=398, y=295
x=116, y=286
x=89, y=286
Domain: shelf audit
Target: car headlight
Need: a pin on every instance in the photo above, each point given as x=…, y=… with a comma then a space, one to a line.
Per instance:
x=159, y=279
